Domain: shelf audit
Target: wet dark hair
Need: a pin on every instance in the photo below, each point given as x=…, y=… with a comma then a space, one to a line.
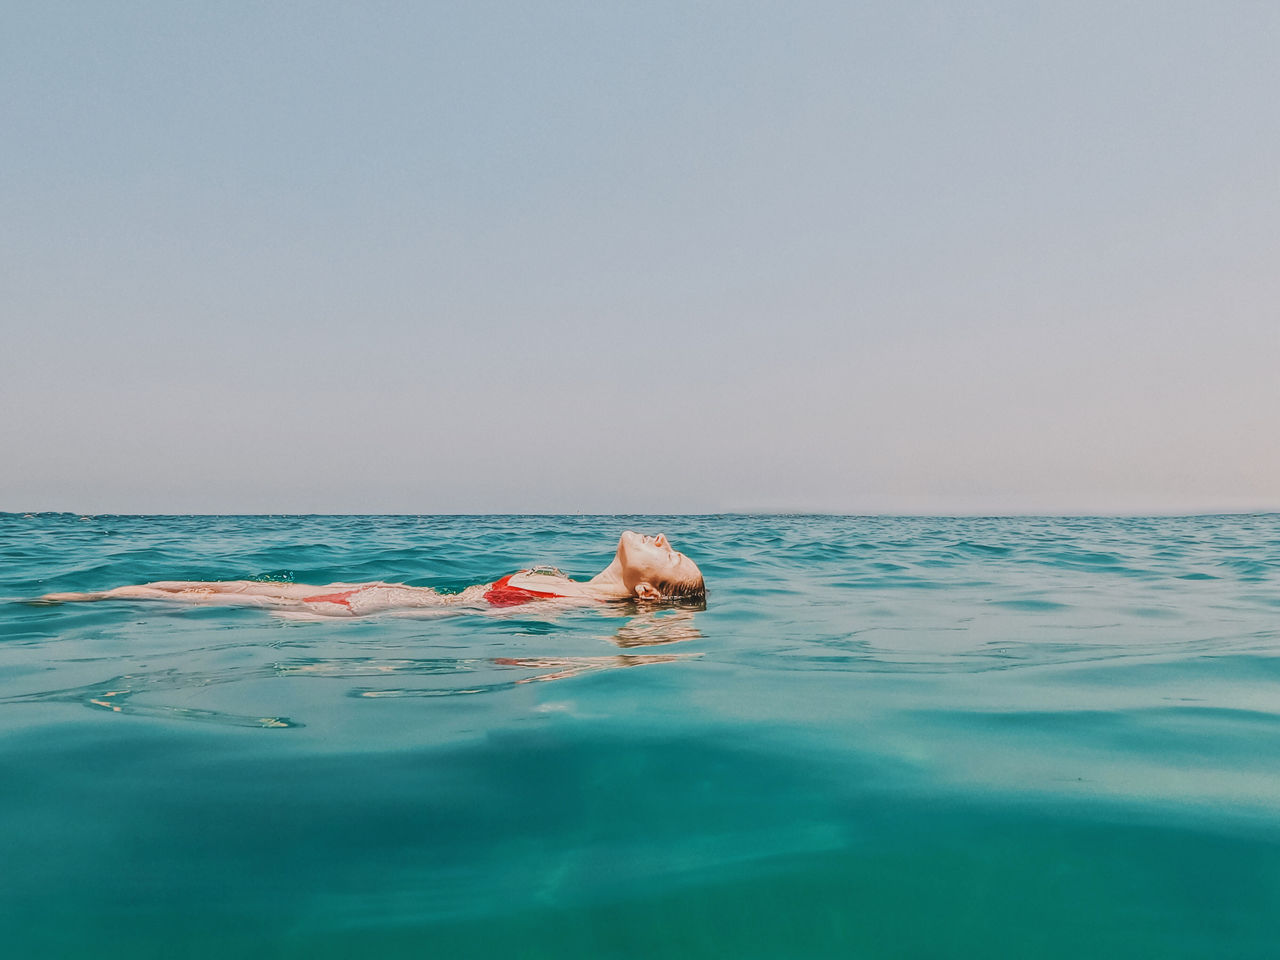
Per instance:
x=691, y=591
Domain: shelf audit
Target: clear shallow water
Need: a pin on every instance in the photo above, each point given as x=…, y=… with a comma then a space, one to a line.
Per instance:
x=884, y=737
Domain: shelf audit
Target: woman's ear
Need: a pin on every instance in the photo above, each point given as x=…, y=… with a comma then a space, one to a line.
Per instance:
x=647, y=591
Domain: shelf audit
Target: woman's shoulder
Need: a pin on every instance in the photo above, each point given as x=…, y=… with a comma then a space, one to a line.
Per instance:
x=540, y=581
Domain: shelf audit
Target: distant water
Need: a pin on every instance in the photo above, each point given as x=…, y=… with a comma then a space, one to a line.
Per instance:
x=884, y=737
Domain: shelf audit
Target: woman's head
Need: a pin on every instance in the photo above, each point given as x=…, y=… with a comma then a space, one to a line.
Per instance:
x=653, y=570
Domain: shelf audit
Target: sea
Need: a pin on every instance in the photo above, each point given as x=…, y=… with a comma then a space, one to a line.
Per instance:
x=897, y=737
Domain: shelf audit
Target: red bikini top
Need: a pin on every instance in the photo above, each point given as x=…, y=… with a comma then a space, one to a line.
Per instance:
x=502, y=594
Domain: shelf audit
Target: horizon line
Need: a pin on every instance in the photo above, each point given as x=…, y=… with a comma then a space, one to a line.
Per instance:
x=978, y=514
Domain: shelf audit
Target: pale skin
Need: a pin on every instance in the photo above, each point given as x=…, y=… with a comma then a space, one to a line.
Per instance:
x=640, y=564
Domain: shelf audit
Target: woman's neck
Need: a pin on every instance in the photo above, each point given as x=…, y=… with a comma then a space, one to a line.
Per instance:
x=608, y=582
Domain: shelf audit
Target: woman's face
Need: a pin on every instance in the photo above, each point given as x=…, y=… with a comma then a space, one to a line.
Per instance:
x=652, y=560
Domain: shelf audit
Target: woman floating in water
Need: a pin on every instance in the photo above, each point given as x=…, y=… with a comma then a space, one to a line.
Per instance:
x=644, y=568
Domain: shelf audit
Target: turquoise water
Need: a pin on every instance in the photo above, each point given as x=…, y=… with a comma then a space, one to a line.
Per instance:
x=884, y=737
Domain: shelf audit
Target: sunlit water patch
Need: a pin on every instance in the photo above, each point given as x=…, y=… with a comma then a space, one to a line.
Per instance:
x=883, y=737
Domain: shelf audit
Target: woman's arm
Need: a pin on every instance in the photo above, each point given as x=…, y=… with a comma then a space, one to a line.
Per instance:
x=332, y=599
x=205, y=591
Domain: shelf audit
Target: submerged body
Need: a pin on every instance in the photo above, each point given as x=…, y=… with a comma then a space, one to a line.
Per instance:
x=643, y=568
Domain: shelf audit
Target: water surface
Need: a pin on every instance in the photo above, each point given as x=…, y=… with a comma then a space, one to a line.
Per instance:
x=884, y=737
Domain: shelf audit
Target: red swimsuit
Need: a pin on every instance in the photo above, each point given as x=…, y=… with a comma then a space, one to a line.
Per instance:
x=502, y=594
x=343, y=598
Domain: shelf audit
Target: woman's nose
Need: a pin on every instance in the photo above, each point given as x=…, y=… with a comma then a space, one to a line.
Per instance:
x=659, y=541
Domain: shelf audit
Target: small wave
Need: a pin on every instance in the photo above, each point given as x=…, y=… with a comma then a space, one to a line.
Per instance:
x=1030, y=605
x=981, y=549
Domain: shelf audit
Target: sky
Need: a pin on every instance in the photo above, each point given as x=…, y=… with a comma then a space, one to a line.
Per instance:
x=597, y=257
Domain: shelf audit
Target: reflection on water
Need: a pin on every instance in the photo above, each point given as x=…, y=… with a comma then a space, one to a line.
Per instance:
x=664, y=626
x=563, y=667
x=448, y=676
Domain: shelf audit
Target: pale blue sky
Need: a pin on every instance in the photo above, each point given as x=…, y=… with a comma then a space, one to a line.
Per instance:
x=555, y=257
